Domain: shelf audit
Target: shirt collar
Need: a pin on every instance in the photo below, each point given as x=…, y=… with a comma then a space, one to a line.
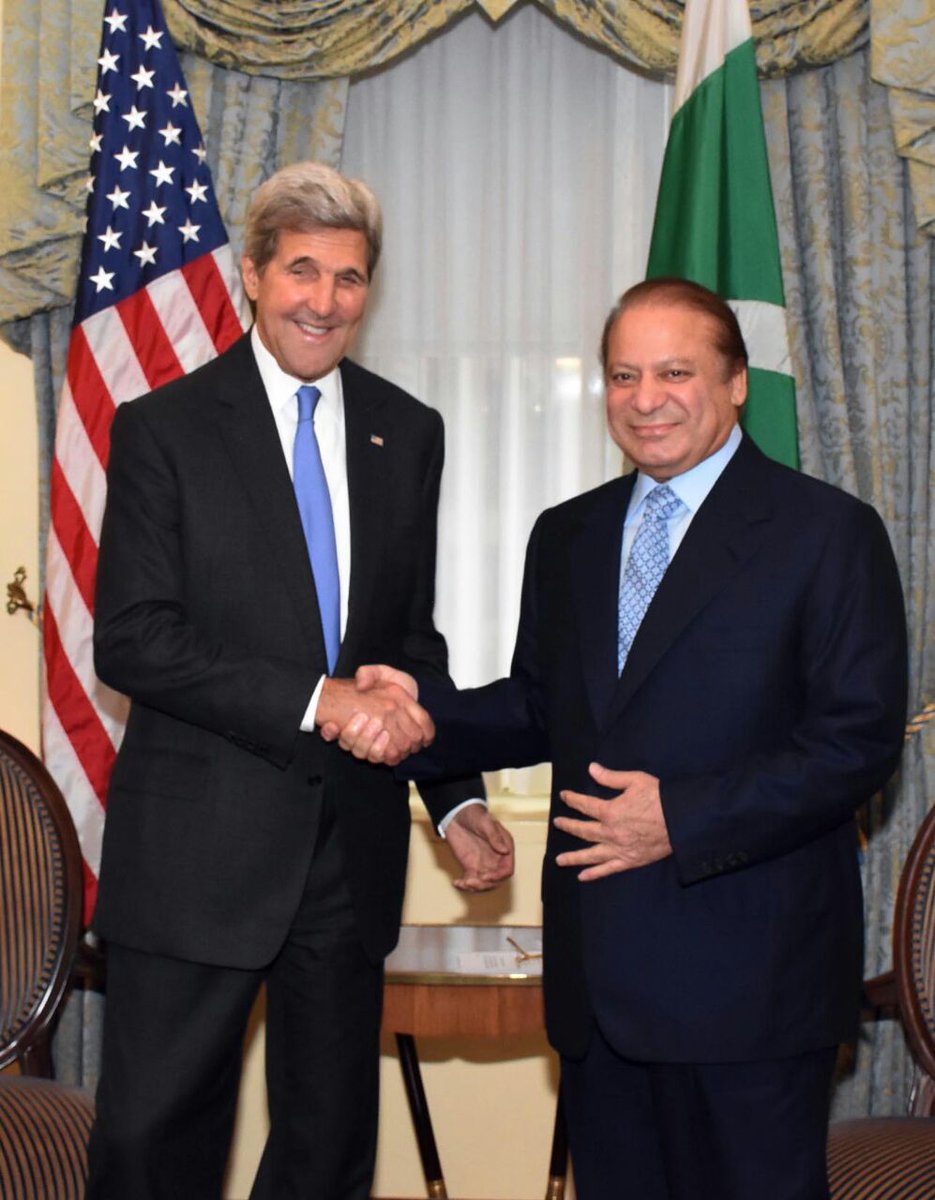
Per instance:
x=281, y=387
x=691, y=487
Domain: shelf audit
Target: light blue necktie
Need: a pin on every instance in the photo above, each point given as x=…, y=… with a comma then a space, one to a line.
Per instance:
x=314, y=499
x=649, y=557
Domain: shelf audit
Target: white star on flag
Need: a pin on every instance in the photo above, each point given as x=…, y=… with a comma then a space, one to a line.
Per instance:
x=135, y=118
x=127, y=158
x=116, y=21
x=103, y=280
x=189, y=231
x=110, y=238
x=101, y=102
x=150, y=39
x=178, y=96
x=162, y=173
x=171, y=134
x=108, y=62
x=198, y=191
x=154, y=213
x=143, y=78
x=119, y=198
x=146, y=254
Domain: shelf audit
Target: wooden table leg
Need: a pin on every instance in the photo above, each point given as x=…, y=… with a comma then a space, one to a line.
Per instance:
x=558, y=1161
x=421, y=1118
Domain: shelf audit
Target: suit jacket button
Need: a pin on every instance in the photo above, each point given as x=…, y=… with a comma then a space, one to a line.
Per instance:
x=314, y=780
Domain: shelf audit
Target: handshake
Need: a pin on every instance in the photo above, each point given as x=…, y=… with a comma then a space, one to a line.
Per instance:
x=375, y=716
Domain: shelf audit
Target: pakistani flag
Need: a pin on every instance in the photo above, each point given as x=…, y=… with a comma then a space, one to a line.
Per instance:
x=715, y=221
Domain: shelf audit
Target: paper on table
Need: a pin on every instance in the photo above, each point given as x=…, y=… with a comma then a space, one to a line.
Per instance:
x=506, y=962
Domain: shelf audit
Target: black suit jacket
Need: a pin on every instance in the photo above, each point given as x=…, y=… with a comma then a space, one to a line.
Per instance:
x=206, y=617
x=766, y=688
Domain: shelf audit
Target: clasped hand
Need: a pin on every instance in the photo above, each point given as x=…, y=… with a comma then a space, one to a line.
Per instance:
x=626, y=831
x=377, y=718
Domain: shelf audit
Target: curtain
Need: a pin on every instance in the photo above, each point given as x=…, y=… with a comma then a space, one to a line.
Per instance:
x=517, y=169
x=859, y=288
x=300, y=38
x=903, y=36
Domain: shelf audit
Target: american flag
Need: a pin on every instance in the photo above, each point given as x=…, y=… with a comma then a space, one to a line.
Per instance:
x=158, y=295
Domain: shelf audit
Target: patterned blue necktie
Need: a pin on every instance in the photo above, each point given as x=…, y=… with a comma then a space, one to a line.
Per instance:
x=649, y=557
x=314, y=499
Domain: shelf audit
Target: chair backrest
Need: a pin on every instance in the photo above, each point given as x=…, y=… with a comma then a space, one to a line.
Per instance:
x=41, y=895
x=914, y=960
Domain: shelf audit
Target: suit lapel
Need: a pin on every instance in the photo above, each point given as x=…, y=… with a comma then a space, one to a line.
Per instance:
x=248, y=431
x=596, y=574
x=725, y=531
x=368, y=443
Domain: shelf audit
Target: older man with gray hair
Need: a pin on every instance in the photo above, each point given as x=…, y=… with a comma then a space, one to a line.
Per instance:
x=270, y=525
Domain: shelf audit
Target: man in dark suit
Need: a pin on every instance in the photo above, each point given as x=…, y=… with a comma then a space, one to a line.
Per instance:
x=240, y=848
x=711, y=652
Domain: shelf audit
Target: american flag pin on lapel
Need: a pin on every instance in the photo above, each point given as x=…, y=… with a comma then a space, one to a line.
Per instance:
x=376, y=439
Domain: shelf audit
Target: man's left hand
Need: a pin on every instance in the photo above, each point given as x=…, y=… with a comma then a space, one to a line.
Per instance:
x=627, y=831
x=482, y=846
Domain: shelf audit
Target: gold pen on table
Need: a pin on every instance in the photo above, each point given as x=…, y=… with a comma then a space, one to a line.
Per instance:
x=521, y=954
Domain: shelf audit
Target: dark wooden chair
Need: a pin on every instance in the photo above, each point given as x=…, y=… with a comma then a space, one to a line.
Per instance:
x=44, y=1126
x=893, y=1158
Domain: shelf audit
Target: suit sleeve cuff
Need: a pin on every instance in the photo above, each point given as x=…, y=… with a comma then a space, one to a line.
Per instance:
x=452, y=813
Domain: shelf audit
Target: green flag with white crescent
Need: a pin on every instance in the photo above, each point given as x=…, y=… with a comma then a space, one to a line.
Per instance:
x=715, y=222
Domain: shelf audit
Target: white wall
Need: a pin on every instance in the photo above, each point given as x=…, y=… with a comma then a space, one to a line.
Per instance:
x=19, y=546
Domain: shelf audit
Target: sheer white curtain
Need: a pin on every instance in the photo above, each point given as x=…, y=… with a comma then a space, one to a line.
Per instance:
x=517, y=169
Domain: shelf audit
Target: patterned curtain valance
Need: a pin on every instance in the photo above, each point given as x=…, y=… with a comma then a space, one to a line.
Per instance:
x=301, y=39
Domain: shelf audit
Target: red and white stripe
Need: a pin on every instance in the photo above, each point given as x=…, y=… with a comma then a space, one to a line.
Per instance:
x=166, y=329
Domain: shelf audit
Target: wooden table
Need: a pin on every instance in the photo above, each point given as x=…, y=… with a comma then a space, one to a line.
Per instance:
x=470, y=981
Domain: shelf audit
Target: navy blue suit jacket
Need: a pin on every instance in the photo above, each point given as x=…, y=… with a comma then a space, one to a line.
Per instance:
x=766, y=688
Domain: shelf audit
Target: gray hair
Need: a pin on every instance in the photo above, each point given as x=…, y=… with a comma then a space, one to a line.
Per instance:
x=307, y=196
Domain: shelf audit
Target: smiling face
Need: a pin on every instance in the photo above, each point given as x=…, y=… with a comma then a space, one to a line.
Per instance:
x=672, y=395
x=310, y=298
